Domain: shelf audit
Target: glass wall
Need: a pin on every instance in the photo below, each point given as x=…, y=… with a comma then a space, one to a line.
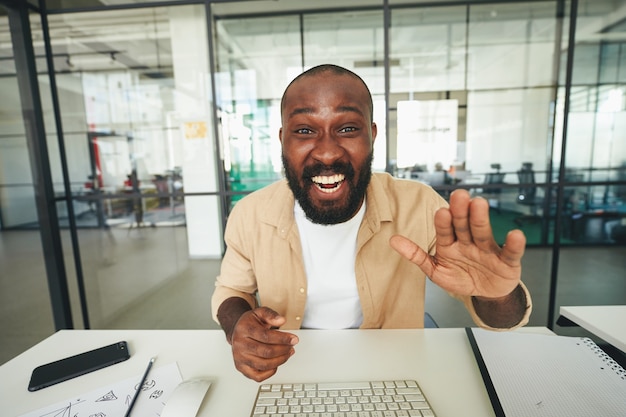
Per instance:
x=26, y=316
x=167, y=115
x=594, y=208
x=254, y=63
x=477, y=126
x=135, y=97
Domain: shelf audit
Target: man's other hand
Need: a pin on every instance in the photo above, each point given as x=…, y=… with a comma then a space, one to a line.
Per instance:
x=258, y=347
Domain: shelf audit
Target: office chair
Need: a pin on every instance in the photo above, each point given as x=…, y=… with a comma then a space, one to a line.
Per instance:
x=429, y=322
x=527, y=195
x=493, y=194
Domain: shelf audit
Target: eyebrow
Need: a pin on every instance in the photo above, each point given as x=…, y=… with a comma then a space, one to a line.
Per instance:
x=341, y=109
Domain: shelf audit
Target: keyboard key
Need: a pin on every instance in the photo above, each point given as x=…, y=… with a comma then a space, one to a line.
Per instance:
x=343, y=386
x=411, y=390
x=270, y=394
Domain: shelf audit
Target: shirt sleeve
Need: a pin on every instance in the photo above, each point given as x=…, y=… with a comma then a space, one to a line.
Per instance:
x=237, y=278
x=467, y=300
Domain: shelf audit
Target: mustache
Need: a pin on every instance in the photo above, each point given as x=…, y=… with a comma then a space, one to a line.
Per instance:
x=336, y=168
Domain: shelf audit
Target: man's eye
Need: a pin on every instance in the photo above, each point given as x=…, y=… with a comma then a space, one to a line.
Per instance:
x=304, y=131
x=347, y=129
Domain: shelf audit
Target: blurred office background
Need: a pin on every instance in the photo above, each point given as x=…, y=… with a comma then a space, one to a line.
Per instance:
x=129, y=129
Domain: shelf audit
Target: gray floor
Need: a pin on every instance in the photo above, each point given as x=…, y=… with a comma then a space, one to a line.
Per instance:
x=142, y=279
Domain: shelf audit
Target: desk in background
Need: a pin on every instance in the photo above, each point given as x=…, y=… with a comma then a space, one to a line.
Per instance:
x=441, y=360
x=606, y=322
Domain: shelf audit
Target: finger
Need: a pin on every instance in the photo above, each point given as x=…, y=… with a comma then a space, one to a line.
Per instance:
x=269, y=316
x=513, y=248
x=459, y=208
x=255, y=374
x=263, y=357
x=270, y=319
x=413, y=253
x=480, y=226
x=258, y=360
x=444, y=228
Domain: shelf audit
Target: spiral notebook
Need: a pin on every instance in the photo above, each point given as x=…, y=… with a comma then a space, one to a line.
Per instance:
x=528, y=375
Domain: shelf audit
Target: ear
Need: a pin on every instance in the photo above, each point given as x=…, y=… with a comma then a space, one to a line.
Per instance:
x=374, y=133
x=280, y=135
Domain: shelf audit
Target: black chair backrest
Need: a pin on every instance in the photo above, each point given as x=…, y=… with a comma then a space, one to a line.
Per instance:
x=527, y=189
x=494, y=178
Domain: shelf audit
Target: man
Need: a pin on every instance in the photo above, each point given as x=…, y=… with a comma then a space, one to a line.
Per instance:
x=336, y=246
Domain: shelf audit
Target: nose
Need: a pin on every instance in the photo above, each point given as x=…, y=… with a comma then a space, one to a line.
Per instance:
x=327, y=149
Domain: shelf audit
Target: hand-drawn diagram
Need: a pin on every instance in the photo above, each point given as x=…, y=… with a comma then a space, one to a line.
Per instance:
x=156, y=394
x=113, y=400
x=109, y=396
x=146, y=385
x=64, y=410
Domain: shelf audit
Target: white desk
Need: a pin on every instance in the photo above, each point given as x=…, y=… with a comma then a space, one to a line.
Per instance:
x=606, y=322
x=441, y=360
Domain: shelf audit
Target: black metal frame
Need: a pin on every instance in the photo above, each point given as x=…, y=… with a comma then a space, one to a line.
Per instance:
x=556, y=246
x=18, y=14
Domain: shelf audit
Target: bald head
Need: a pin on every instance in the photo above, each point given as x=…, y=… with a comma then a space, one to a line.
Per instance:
x=329, y=69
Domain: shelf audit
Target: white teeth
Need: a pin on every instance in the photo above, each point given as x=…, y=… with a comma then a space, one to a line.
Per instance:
x=320, y=180
x=331, y=179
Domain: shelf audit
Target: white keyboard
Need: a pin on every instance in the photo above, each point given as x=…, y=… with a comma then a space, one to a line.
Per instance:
x=352, y=399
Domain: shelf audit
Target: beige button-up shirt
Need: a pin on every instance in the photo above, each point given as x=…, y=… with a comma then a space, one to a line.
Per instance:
x=263, y=261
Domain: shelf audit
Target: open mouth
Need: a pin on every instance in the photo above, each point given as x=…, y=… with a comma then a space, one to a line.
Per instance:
x=328, y=183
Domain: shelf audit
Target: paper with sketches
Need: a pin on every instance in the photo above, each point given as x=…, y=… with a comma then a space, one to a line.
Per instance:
x=114, y=399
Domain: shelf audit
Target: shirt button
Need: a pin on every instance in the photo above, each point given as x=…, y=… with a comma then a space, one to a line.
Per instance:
x=301, y=290
x=297, y=318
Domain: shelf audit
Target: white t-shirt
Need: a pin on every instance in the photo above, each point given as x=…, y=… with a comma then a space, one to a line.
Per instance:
x=329, y=253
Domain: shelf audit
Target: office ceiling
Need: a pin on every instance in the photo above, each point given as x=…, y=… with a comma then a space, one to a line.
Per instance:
x=119, y=37
x=139, y=38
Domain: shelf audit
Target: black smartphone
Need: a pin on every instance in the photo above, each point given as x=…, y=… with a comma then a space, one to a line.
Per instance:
x=54, y=372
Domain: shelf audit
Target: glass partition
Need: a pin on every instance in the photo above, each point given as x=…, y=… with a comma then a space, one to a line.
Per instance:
x=135, y=93
x=26, y=316
x=256, y=58
x=463, y=122
x=595, y=164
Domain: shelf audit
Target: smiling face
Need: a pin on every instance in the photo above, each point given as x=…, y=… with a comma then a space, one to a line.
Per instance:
x=327, y=138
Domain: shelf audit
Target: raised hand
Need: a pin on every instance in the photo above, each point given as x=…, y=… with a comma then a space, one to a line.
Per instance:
x=468, y=261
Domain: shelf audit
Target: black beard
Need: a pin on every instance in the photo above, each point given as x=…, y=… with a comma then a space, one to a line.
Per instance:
x=330, y=213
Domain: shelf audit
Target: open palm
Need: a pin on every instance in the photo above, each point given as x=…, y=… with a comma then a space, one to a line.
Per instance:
x=468, y=261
